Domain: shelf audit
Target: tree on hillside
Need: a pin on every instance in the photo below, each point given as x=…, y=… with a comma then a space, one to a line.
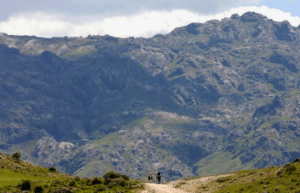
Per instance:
x=16, y=156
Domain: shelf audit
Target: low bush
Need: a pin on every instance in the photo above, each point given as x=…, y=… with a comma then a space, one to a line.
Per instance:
x=112, y=184
x=72, y=183
x=38, y=189
x=293, y=180
x=123, y=182
x=291, y=168
x=26, y=185
x=107, y=181
x=125, y=177
x=101, y=187
x=111, y=175
x=96, y=180
x=52, y=169
x=16, y=156
x=57, y=183
x=297, y=160
x=77, y=178
x=88, y=181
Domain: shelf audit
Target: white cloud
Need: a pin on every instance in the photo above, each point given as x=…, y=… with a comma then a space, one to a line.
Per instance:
x=144, y=24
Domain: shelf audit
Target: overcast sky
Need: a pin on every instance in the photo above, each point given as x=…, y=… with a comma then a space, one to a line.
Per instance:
x=119, y=18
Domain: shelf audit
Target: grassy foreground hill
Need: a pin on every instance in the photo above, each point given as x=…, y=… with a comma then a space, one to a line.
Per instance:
x=20, y=176
x=271, y=179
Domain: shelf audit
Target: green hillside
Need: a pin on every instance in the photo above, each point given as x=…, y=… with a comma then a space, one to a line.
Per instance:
x=272, y=179
x=18, y=176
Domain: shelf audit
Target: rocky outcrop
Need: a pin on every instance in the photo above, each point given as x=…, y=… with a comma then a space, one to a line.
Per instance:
x=270, y=109
x=221, y=90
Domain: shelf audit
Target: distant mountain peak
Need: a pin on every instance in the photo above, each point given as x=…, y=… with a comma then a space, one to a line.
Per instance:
x=178, y=103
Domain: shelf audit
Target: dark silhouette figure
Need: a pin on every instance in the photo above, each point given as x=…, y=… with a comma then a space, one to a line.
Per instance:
x=158, y=177
x=150, y=177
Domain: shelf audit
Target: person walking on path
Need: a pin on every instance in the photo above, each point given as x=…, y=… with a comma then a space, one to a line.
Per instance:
x=158, y=177
x=150, y=177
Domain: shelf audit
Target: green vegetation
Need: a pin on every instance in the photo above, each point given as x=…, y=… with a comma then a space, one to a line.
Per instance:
x=17, y=175
x=16, y=156
x=272, y=179
x=52, y=169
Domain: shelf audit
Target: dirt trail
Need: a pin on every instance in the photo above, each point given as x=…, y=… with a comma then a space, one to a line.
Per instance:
x=161, y=188
x=182, y=186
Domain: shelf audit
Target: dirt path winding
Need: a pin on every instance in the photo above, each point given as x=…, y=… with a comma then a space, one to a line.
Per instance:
x=185, y=186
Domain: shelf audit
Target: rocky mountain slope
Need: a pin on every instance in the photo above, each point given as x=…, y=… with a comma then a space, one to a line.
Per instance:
x=206, y=98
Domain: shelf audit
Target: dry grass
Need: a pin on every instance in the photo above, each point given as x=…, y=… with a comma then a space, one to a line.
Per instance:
x=271, y=179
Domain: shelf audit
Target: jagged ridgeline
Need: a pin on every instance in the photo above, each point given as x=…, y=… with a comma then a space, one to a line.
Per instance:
x=20, y=176
x=206, y=98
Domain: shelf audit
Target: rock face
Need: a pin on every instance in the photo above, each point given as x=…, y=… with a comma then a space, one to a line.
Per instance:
x=203, y=99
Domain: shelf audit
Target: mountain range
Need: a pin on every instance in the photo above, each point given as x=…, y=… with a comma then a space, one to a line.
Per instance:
x=203, y=99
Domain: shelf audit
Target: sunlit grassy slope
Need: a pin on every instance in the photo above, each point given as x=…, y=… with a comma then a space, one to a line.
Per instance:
x=14, y=173
x=272, y=179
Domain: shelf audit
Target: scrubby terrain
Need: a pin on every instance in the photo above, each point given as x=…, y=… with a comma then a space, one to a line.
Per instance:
x=19, y=176
x=272, y=179
x=206, y=98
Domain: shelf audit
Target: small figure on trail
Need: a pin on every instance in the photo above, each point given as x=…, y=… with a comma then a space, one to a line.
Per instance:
x=158, y=177
x=150, y=177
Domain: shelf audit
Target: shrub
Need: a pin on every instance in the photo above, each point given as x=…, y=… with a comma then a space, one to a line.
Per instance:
x=111, y=175
x=52, y=169
x=57, y=183
x=72, y=183
x=101, y=188
x=112, y=184
x=77, y=178
x=107, y=181
x=279, y=173
x=296, y=160
x=26, y=185
x=88, y=181
x=38, y=189
x=96, y=180
x=291, y=168
x=123, y=183
x=125, y=177
x=16, y=156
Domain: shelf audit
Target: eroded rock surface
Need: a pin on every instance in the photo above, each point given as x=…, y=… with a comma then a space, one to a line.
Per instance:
x=179, y=103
